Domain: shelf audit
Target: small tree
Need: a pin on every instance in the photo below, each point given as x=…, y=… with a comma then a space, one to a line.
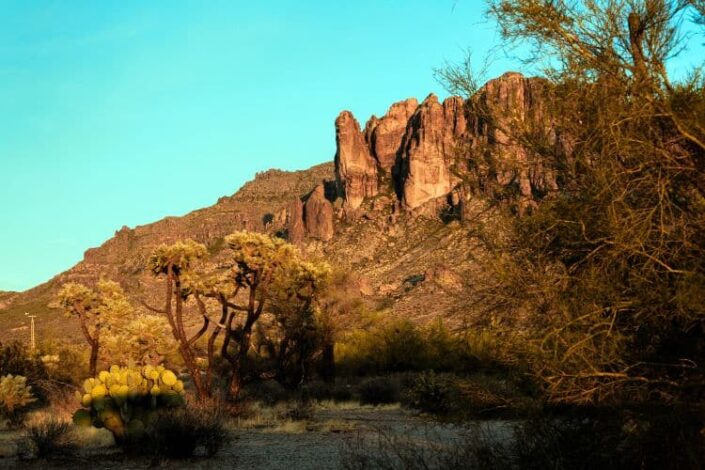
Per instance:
x=95, y=310
x=303, y=329
x=174, y=263
x=261, y=269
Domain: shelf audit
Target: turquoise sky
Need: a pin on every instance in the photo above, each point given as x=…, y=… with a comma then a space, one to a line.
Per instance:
x=122, y=112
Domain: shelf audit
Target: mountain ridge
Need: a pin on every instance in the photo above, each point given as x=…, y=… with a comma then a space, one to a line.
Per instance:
x=393, y=208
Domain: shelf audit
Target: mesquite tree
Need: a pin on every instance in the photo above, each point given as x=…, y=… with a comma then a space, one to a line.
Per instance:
x=611, y=267
x=97, y=310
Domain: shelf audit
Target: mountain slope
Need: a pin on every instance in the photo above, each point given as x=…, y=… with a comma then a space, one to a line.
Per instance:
x=398, y=208
x=123, y=257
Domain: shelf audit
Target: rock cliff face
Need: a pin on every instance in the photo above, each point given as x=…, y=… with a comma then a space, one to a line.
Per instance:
x=386, y=134
x=422, y=150
x=510, y=103
x=296, y=230
x=355, y=168
x=318, y=215
x=429, y=150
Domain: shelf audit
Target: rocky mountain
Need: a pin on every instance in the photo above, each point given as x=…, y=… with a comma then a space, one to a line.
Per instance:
x=396, y=208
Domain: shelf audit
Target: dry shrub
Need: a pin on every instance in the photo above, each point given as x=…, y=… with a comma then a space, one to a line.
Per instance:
x=477, y=447
x=47, y=436
x=607, y=271
x=178, y=433
x=435, y=394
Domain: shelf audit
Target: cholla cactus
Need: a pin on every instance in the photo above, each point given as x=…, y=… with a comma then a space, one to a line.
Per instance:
x=15, y=394
x=124, y=400
x=50, y=361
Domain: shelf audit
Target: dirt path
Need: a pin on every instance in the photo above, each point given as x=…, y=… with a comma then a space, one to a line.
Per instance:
x=318, y=443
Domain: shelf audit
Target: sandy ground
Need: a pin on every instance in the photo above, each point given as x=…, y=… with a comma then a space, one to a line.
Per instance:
x=318, y=443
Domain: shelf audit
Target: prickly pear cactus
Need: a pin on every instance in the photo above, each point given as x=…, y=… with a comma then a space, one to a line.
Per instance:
x=125, y=400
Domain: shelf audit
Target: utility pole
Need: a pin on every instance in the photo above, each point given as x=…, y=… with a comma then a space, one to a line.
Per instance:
x=32, y=340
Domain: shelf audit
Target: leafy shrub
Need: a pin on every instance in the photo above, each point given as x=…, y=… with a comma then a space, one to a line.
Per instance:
x=15, y=396
x=47, y=437
x=125, y=400
x=401, y=346
x=434, y=393
x=378, y=391
x=15, y=360
x=178, y=433
x=71, y=366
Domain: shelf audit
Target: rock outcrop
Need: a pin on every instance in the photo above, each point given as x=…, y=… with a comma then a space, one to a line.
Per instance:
x=355, y=168
x=429, y=150
x=318, y=215
x=422, y=150
x=517, y=104
x=296, y=230
x=387, y=134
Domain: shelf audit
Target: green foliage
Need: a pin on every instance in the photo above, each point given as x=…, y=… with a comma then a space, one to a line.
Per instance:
x=385, y=346
x=15, y=396
x=125, y=400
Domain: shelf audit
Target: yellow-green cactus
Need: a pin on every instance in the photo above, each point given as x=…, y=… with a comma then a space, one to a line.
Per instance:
x=169, y=378
x=124, y=399
x=99, y=391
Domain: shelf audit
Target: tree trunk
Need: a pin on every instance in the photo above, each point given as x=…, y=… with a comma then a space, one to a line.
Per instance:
x=93, y=364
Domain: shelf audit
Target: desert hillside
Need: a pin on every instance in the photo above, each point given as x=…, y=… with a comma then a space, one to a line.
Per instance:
x=397, y=209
